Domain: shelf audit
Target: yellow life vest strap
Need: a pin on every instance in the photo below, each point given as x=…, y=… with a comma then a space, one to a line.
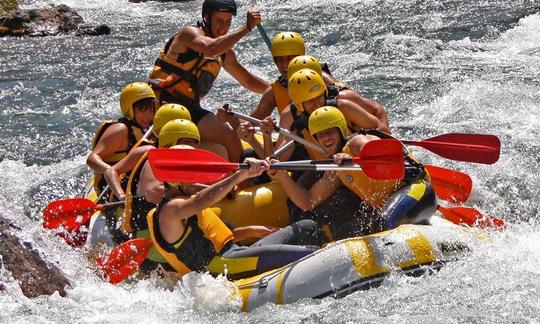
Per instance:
x=281, y=95
x=171, y=258
x=128, y=208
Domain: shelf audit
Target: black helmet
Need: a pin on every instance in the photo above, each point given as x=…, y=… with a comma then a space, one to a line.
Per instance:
x=211, y=6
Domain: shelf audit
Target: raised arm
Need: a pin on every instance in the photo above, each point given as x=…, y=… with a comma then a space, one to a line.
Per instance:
x=195, y=39
x=285, y=122
x=247, y=79
x=246, y=133
x=185, y=208
x=358, y=118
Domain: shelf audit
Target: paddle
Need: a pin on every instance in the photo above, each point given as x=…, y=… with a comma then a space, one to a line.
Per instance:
x=280, y=130
x=449, y=185
x=471, y=217
x=382, y=160
x=477, y=148
x=74, y=212
x=265, y=37
x=287, y=146
x=124, y=259
x=71, y=213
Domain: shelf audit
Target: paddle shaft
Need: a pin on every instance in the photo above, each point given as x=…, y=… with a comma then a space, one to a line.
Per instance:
x=308, y=166
x=110, y=205
x=264, y=36
x=282, y=150
x=282, y=131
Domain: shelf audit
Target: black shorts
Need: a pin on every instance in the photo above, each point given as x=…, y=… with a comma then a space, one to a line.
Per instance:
x=197, y=112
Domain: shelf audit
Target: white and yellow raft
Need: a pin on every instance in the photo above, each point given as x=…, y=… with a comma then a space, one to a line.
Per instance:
x=348, y=265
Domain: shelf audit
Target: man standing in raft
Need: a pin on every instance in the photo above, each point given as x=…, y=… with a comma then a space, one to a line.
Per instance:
x=191, y=61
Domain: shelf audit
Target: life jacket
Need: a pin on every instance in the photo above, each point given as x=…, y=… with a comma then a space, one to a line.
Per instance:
x=135, y=134
x=281, y=93
x=373, y=192
x=376, y=192
x=135, y=208
x=204, y=237
x=335, y=88
x=300, y=125
x=189, y=76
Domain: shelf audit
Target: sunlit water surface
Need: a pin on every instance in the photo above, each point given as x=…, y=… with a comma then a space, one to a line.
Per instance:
x=437, y=66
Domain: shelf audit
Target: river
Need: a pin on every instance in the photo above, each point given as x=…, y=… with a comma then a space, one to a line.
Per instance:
x=437, y=66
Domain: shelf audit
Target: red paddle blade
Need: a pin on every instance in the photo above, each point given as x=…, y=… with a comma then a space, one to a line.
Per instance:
x=382, y=159
x=477, y=148
x=470, y=216
x=450, y=185
x=69, y=213
x=189, y=166
x=124, y=259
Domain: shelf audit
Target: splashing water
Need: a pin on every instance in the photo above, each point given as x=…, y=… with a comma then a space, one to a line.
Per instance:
x=437, y=66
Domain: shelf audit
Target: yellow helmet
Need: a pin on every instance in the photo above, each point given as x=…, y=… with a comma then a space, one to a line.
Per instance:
x=304, y=62
x=166, y=113
x=305, y=85
x=325, y=118
x=288, y=43
x=177, y=129
x=132, y=93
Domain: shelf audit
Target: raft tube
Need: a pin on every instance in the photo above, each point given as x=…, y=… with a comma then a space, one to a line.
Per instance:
x=265, y=204
x=348, y=265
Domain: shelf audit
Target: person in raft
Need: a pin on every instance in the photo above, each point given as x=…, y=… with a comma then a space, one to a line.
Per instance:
x=115, y=139
x=163, y=115
x=410, y=200
x=308, y=92
x=191, y=237
x=289, y=53
x=191, y=61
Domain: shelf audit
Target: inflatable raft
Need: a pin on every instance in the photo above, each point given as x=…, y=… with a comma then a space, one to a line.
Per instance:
x=348, y=265
x=264, y=204
x=339, y=268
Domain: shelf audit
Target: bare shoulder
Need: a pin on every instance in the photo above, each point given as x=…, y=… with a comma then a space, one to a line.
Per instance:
x=186, y=35
x=190, y=30
x=138, y=152
x=176, y=208
x=116, y=129
x=345, y=102
x=328, y=78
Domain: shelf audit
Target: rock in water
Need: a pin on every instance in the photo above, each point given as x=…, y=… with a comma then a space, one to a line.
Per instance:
x=35, y=276
x=47, y=22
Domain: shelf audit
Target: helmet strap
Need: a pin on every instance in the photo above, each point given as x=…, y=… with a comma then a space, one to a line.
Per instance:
x=205, y=24
x=342, y=142
x=284, y=82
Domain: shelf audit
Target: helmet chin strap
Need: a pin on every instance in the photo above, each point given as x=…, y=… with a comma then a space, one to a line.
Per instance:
x=206, y=26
